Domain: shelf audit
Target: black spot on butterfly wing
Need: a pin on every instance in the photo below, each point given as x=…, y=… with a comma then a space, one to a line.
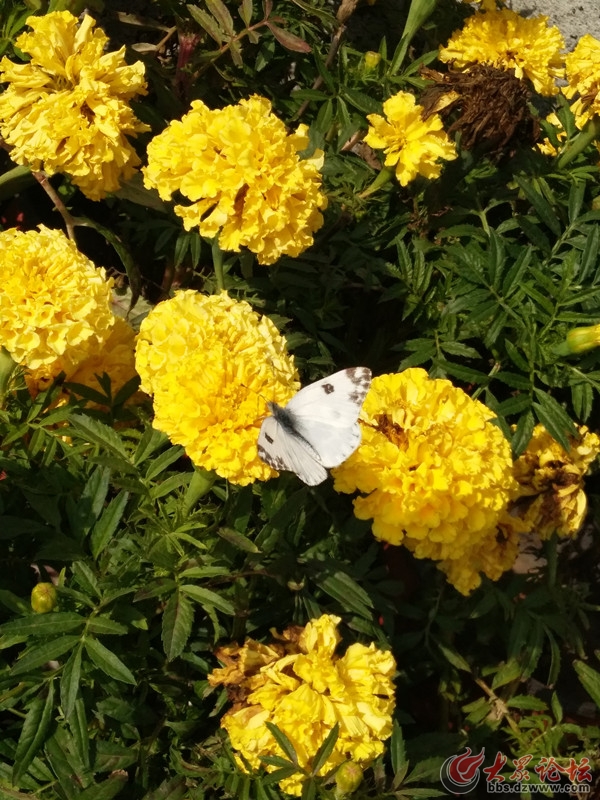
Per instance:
x=328, y=388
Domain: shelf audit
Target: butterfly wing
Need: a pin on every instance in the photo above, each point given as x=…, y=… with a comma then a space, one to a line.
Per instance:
x=282, y=450
x=325, y=414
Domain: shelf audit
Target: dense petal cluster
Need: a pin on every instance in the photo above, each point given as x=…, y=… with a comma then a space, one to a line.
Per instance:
x=53, y=300
x=413, y=145
x=112, y=354
x=583, y=75
x=212, y=364
x=505, y=40
x=67, y=109
x=303, y=687
x=551, y=495
x=243, y=176
x=434, y=472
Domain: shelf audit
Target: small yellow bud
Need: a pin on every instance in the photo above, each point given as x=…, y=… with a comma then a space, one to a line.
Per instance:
x=581, y=339
x=371, y=59
x=43, y=598
x=347, y=779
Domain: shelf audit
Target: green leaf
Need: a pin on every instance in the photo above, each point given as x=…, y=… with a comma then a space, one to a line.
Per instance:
x=237, y=540
x=347, y=592
x=151, y=441
x=171, y=789
x=555, y=419
x=582, y=397
x=245, y=11
x=454, y=658
x=105, y=625
x=576, y=196
x=163, y=461
x=589, y=679
x=283, y=742
x=325, y=750
x=362, y=101
x=209, y=23
x=206, y=597
x=541, y=205
x=508, y=672
x=289, y=40
x=398, y=754
x=108, y=662
x=69, y=681
x=33, y=733
x=105, y=527
x=177, y=620
x=106, y=790
x=522, y=435
x=44, y=624
x=221, y=13
x=98, y=433
x=38, y=655
x=589, y=256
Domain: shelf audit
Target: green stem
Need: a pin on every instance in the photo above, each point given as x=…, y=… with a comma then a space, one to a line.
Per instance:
x=552, y=556
x=217, y=255
x=385, y=176
x=590, y=132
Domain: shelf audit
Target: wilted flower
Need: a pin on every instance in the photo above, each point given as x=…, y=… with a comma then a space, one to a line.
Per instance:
x=412, y=144
x=583, y=75
x=551, y=495
x=434, y=472
x=488, y=106
x=53, y=299
x=505, y=40
x=241, y=171
x=66, y=110
x=212, y=364
x=300, y=685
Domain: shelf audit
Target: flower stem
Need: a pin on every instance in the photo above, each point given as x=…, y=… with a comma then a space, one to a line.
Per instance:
x=590, y=132
x=384, y=177
x=68, y=218
x=217, y=255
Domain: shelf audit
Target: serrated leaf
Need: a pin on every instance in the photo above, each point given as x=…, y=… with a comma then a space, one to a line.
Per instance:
x=555, y=419
x=44, y=624
x=542, y=207
x=163, y=461
x=454, y=658
x=208, y=598
x=105, y=625
x=347, y=592
x=107, y=524
x=237, y=540
x=69, y=681
x=38, y=655
x=508, y=672
x=589, y=679
x=288, y=40
x=171, y=789
x=209, y=23
x=98, y=433
x=106, y=790
x=151, y=441
x=582, y=397
x=283, y=742
x=177, y=620
x=108, y=662
x=221, y=13
x=325, y=750
x=33, y=733
x=523, y=433
x=398, y=753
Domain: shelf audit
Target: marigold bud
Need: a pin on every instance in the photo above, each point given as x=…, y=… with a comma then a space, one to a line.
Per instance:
x=43, y=598
x=581, y=339
x=347, y=779
x=371, y=59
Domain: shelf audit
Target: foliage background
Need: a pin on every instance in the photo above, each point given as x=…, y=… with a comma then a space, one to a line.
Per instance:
x=477, y=277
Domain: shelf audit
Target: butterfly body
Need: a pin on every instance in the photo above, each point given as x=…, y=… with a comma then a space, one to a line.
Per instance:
x=318, y=428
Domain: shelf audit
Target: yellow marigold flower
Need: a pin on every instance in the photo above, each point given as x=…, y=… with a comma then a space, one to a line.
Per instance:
x=505, y=40
x=546, y=147
x=212, y=364
x=583, y=75
x=67, y=110
x=52, y=298
x=113, y=355
x=551, y=494
x=435, y=473
x=412, y=144
x=304, y=688
x=243, y=176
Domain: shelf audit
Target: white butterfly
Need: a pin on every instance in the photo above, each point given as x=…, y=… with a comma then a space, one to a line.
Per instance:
x=318, y=428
